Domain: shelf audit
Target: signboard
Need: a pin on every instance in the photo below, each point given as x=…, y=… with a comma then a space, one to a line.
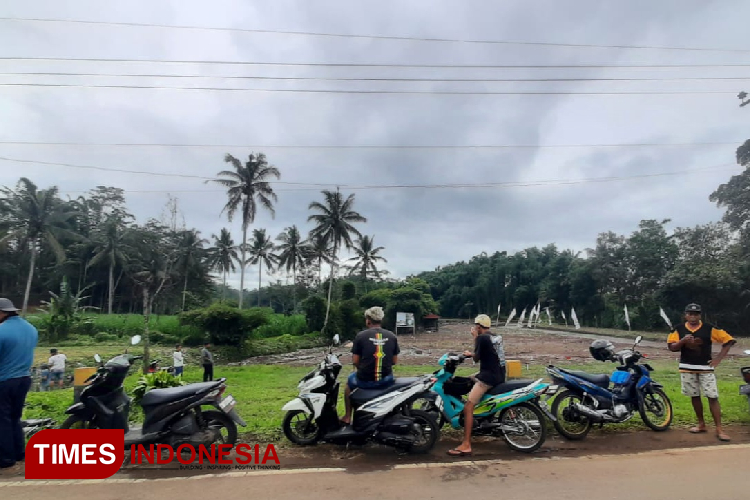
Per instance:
x=405, y=323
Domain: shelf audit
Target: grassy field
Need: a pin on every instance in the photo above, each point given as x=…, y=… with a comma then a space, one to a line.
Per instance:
x=262, y=390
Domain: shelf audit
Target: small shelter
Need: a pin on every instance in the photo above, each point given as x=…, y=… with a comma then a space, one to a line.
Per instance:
x=430, y=322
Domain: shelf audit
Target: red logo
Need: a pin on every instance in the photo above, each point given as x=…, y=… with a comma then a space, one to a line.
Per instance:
x=74, y=453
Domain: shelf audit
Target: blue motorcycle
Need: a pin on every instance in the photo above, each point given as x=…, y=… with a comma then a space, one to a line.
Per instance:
x=512, y=410
x=588, y=399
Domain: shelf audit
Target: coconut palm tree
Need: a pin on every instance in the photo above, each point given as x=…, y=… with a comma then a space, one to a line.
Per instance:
x=318, y=251
x=110, y=248
x=261, y=251
x=190, y=254
x=333, y=223
x=223, y=255
x=366, y=255
x=37, y=216
x=247, y=186
x=292, y=253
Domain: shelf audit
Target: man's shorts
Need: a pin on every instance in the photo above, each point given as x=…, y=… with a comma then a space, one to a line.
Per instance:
x=693, y=384
x=55, y=376
x=354, y=383
x=178, y=370
x=479, y=389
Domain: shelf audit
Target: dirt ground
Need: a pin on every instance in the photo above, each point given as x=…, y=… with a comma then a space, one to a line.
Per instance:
x=529, y=345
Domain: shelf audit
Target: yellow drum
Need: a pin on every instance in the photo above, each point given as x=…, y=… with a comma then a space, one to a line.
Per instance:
x=512, y=368
x=79, y=381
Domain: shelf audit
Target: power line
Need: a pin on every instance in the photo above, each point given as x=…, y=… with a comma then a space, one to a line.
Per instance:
x=372, y=37
x=340, y=91
x=382, y=65
x=380, y=79
x=374, y=146
x=381, y=186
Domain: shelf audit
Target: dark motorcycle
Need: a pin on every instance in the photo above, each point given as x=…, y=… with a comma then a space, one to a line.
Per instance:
x=33, y=425
x=589, y=399
x=745, y=372
x=173, y=416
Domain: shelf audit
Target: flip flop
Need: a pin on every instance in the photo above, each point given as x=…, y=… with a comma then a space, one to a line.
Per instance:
x=697, y=430
x=723, y=437
x=458, y=453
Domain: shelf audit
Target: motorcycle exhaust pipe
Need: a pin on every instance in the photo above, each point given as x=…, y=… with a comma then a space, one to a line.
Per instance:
x=593, y=415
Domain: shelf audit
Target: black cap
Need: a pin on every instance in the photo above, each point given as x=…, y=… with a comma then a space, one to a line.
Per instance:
x=693, y=308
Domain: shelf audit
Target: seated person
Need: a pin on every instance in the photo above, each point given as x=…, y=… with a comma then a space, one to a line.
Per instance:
x=374, y=353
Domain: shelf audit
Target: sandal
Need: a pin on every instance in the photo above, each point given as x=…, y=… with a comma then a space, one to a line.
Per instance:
x=455, y=452
x=722, y=437
x=697, y=430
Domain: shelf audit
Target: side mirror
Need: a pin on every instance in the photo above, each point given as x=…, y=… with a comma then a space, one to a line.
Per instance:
x=136, y=339
x=638, y=339
x=97, y=358
x=336, y=339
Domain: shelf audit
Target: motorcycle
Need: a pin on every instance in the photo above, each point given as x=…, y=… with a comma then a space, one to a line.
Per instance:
x=154, y=367
x=379, y=415
x=589, y=399
x=173, y=416
x=33, y=425
x=745, y=372
x=512, y=410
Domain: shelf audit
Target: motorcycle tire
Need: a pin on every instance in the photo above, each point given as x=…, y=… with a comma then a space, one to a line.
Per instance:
x=214, y=417
x=74, y=419
x=302, y=440
x=425, y=420
x=658, y=427
x=541, y=420
x=567, y=434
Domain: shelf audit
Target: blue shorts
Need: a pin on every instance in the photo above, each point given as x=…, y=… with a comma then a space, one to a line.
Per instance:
x=178, y=370
x=54, y=376
x=353, y=383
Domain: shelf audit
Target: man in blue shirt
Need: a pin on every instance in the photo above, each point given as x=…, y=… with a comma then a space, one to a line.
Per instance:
x=18, y=338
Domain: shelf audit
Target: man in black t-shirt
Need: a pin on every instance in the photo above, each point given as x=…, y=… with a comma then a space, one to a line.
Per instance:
x=491, y=373
x=374, y=353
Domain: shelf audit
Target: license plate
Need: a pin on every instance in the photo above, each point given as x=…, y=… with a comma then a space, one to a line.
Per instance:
x=227, y=404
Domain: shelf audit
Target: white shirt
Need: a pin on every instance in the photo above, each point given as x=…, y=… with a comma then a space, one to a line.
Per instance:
x=57, y=363
x=178, y=359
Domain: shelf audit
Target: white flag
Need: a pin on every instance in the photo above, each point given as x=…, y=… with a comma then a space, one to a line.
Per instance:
x=531, y=316
x=512, y=315
x=575, y=318
x=666, y=318
x=563, y=315
x=627, y=318
x=498, y=309
x=549, y=317
x=523, y=316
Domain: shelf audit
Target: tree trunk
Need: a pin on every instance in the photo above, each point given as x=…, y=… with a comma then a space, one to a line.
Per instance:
x=242, y=264
x=330, y=287
x=29, y=279
x=294, y=289
x=146, y=315
x=111, y=297
x=184, y=291
x=224, y=290
x=260, y=274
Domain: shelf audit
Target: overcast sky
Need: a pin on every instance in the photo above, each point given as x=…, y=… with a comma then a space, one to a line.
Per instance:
x=419, y=228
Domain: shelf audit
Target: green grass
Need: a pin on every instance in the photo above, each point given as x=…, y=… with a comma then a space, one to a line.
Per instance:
x=262, y=390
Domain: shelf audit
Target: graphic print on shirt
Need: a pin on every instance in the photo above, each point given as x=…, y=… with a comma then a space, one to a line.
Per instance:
x=379, y=354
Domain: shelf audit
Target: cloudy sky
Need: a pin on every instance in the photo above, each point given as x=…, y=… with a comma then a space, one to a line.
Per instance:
x=527, y=196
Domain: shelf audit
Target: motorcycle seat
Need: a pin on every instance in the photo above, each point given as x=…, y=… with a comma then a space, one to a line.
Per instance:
x=360, y=396
x=601, y=380
x=169, y=394
x=509, y=386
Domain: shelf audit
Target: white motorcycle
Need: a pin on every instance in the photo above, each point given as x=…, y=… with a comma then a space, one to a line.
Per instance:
x=380, y=415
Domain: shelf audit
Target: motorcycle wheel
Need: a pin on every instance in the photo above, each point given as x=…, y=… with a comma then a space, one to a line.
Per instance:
x=657, y=402
x=579, y=424
x=76, y=422
x=429, y=432
x=219, y=420
x=303, y=432
x=428, y=406
x=533, y=422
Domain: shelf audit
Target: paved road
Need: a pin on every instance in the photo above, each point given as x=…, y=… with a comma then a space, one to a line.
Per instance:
x=718, y=472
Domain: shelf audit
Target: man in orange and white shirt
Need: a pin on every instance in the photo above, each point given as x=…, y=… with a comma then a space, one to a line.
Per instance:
x=693, y=341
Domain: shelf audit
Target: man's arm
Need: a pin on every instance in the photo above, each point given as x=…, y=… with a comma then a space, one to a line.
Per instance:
x=674, y=343
x=727, y=341
x=355, y=360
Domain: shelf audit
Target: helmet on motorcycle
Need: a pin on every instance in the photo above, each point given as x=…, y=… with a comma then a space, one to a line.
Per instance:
x=602, y=350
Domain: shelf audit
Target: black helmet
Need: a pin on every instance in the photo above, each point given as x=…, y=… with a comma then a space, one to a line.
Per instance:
x=602, y=350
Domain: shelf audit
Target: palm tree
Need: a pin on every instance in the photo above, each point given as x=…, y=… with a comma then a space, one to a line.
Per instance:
x=247, y=186
x=261, y=250
x=223, y=255
x=109, y=249
x=189, y=256
x=39, y=215
x=366, y=257
x=319, y=250
x=334, y=225
x=292, y=253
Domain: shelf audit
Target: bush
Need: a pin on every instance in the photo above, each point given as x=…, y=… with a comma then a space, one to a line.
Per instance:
x=348, y=290
x=226, y=325
x=295, y=326
x=157, y=380
x=315, y=312
x=351, y=317
x=376, y=298
x=283, y=344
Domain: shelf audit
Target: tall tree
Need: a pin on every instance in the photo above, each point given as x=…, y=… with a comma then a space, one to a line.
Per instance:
x=261, y=251
x=366, y=257
x=334, y=223
x=319, y=251
x=110, y=246
x=223, y=255
x=190, y=255
x=247, y=186
x=292, y=252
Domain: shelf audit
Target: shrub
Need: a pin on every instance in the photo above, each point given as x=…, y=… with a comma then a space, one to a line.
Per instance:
x=157, y=380
x=226, y=325
x=315, y=312
x=295, y=326
x=283, y=344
